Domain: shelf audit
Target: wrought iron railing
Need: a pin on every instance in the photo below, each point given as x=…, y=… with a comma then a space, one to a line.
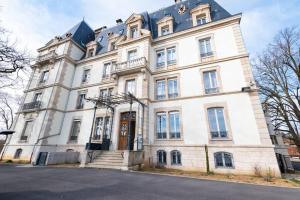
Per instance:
x=32, y=105
x=139, y=62
x=46, y=57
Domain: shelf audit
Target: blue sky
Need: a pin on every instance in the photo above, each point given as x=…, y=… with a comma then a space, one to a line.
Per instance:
x=35, y=22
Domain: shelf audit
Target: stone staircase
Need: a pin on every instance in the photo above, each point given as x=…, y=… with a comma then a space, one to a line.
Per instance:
x=107, y=160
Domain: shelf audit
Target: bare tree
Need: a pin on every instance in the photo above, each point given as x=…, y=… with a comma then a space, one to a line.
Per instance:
x=277, y=72
x=14, y=65
x=8, y=104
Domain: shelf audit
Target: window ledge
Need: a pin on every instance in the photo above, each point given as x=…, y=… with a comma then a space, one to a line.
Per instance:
x=220, y=139
x=23, y=141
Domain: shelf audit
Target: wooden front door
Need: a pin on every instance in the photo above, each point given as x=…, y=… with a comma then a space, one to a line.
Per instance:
x=123, y=135
x=123, y=132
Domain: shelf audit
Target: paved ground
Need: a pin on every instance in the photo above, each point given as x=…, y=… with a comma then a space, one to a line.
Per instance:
x=89, y=184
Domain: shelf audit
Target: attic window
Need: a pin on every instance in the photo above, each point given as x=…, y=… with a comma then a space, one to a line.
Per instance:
x=100, y=39
x=121, y=31
x=90, y=53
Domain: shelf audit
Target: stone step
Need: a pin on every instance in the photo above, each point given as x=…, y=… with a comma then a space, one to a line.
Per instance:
x=108, y=158
x=103, y=166
x=108, y=163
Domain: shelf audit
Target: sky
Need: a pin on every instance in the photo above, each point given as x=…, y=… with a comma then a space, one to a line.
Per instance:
x=34, y=22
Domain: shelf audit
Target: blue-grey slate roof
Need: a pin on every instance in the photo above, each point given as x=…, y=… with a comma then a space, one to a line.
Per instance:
x=83, y=34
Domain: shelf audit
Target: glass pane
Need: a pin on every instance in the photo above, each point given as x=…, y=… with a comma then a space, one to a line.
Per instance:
x=28, y=128
x=98, y=128
x=213, y=122
x=172, y=88
x=174, y=125
x=221, y=122
x=171, y=56
x=161, y=125
x=202, y=47
x=219, y=160
x=207, y=84
x=208, y=46
x=228, y=160
x=160, y=89
x=106, y=127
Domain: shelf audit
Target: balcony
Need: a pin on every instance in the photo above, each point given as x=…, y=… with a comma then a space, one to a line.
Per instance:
x=32, y=106
x=46, y=58
x=130, y=66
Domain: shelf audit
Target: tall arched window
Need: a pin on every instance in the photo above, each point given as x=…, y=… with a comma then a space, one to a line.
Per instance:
x=18, y=153
x=175, y=157
x=223, y=159
x=161, y=157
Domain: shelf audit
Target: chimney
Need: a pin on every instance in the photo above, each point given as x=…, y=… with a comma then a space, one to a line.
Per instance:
x=177, y=1
x=119, y=21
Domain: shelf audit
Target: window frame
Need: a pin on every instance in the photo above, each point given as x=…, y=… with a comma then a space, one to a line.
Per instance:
x=217, y=123
x=178, y=162
x=163, y=161
x=166, y=95
x=200, y=17
x=167, y=112
x=134, y=57
x=223, y=153
x=218, y=79
x=132, y=35
x=207, y=53
x=18, y=153
x=86, y=76
x=71, y=140
x=229, y=139
x=166, y=63
x=80, y=106
x=135, y=85
x=163, y=33
x=24, y=130
x=42, y=78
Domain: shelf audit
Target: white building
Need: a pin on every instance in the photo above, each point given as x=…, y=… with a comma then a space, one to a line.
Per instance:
x=187, y=63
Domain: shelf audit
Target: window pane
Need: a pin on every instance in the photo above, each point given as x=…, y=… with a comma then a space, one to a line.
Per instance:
x=228, y=160
x=210, y=82
x=161, y=125
x=174, y=122
x=213, y=122
x=160, y=89
x=171, y=58
x=98, y=128
x=132, y=55
x=75, y=130
x=106, y=70
x=106, y=127
x=219, y=160
x=172, y=88
x=160, y=59
x=130, y=86
x=28, y=128
x=221, y=122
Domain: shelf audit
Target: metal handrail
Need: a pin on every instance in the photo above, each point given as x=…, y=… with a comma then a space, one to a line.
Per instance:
x=48, y=56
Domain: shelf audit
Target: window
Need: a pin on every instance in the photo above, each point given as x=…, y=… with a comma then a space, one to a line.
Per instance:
x=107, y=70
x=98, y=128
x=161, y=157
x=205, y=47
x=217, y=122
x=90, y=53
x=80, y=101
x=113, y=46
x=132, y=55
x=160, y=89
x=106, y=127
x=171, y=58
x=27, y=130
x=130, y=86
x=274, y=139
x=134, y=32
x=201, y=19
x=223, y=159
x=18, y=153
x=165, y=30
x=44, y=76
x=75, y=130
x=174, y=125
x=210, y=82
x=162, y=59
x=175, y=158
x=103, y=93
x=160, y=62
x=86, y=76
x=172, y=88
x=37, y=97
x=161, y=125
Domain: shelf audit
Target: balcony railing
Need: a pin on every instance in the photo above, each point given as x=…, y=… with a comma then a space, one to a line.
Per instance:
x=130, y=65
x=46, y=58
x=32, y=106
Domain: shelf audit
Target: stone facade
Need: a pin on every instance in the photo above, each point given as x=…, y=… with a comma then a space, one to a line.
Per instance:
x=174, y=52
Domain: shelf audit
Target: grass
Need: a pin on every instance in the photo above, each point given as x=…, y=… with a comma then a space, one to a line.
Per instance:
x=227, y=177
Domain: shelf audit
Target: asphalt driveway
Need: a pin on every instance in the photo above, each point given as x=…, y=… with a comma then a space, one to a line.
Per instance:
x=89, y=184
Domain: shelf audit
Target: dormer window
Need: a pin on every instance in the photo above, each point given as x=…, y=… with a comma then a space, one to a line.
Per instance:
x=133, y=32
x=201, y=19
x=201, y=14
x=165, y=30
x=113, y=46
x=165, y=26
x=90, y=53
